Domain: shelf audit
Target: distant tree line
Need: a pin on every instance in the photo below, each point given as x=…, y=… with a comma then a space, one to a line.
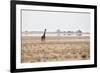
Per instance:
x=59, y=32
x=78, y=32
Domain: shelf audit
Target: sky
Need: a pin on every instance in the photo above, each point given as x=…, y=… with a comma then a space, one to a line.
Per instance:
x=33, y=20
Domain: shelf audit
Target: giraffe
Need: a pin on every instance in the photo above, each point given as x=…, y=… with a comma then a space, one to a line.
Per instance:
x=43, y=36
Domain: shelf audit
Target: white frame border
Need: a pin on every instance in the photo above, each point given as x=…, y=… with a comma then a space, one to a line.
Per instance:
x=51, y=64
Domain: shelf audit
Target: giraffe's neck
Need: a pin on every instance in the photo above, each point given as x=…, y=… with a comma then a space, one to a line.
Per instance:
x=44, y=33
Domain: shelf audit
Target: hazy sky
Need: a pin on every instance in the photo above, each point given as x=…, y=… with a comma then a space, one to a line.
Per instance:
x=65, y=21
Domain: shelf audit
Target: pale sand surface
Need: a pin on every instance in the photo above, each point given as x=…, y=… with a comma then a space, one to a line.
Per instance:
x=54, y=49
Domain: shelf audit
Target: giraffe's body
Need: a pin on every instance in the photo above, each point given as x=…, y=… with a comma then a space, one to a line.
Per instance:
x=43, y=36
